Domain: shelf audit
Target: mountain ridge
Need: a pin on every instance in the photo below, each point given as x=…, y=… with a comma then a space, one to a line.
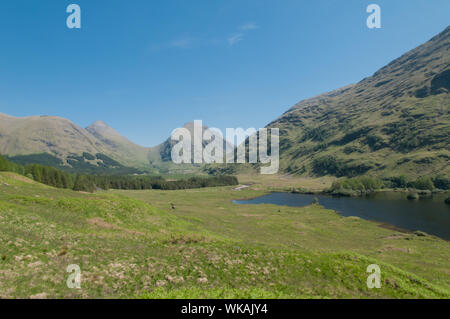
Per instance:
x=59, y=141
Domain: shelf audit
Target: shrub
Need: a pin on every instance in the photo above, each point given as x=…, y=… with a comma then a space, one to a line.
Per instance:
x=441, y=183
x=396, y=182
x=375, y=142
x=330, y=165
x=412, y=196
x=422, y=183
x=364, y=183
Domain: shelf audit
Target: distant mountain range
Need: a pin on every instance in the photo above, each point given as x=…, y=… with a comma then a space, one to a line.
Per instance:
x=394, y=122
x=59, y=142
x=55, y=141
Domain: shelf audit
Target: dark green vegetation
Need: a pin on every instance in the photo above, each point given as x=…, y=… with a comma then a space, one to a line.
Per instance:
x=133, y=244
x=60, y=179
x=41, y=159
x=330, y=165
x=358, y=185
x=42, y=174
x=394, y=122
x=89, y=183
x=85, y=163
x=413, y=196
x=149, y=182
x=361, y=184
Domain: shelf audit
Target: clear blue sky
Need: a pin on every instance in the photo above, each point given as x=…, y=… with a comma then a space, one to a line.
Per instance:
x=146, y=67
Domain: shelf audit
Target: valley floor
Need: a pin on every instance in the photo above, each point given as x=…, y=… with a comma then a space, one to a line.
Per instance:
x=196, y=244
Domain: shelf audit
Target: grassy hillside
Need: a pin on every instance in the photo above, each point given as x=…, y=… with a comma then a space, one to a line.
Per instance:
x=133, y=244
x=394, y=122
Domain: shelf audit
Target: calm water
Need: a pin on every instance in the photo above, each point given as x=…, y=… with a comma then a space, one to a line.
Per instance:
x=430, y=215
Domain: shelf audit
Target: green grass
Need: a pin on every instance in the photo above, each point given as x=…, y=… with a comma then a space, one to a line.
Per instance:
x=132, y=244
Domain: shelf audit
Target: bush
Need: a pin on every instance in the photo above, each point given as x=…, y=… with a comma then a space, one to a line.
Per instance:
x=88, y=183
x=364, y=183
x=375, y=142
x=329, y=165
x=441, y=183
x=412, y=196
x=396, y=182
x=422, y=183
x=326, y=165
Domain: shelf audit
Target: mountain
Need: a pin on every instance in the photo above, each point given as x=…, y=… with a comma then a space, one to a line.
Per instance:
x=160, y=156
x=45, y=134
x=59, y=142
x=118, y=146
x=394, y=122
x=55, y=141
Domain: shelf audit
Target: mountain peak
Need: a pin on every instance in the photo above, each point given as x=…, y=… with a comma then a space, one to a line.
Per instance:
x=100, y=128
x=98, y=125
x=190, y=126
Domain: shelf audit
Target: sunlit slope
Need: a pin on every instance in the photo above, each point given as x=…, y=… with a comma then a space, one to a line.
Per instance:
x=394, y=122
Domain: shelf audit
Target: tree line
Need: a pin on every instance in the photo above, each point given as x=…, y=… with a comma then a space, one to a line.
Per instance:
x=89, y=183
x=366, y=183
x=157, y=182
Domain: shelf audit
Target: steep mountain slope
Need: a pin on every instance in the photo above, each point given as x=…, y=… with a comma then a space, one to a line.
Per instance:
x=394, y=122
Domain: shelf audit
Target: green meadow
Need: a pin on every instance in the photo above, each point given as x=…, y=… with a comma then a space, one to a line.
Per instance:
x=198, y=244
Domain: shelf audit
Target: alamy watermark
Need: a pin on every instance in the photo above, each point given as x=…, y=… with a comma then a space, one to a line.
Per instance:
x=374, y=19
x=374, y=280
x=209, y=146
x=74, y=279
x=74, y=19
